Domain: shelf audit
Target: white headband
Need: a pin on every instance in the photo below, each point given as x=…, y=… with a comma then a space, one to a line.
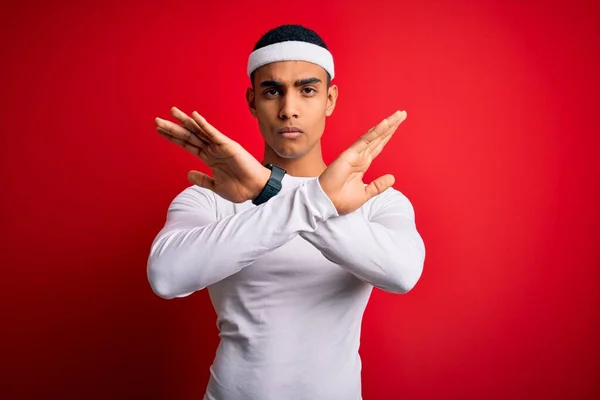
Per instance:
x=291, y=51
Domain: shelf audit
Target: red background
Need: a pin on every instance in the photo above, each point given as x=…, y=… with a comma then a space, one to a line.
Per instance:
x=499, y=156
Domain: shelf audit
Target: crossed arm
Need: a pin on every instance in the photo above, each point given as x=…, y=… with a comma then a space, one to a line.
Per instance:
x=195, y=250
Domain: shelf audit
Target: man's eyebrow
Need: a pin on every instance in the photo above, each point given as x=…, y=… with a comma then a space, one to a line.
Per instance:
x=307, y=81
x=299, y=82
x=276, y=84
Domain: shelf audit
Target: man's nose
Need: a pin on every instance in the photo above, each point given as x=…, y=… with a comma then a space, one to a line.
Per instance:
x=289, y=106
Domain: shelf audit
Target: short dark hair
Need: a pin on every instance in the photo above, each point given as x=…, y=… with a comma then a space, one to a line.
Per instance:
x=284, y=33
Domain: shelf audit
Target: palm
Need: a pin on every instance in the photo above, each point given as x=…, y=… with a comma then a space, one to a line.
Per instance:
x=343, y=182
x=230, y=164
x=350, y=169
x=235, y=171
x=238, y=176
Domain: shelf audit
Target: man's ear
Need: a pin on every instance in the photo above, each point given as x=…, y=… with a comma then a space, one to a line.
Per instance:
x=250, y=101
x=332, y=95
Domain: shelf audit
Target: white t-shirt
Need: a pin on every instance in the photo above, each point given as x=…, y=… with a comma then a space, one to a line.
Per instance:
x=289, y=281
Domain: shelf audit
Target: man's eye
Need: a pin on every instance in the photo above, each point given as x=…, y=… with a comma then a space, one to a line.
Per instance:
x=309, y=90
x=272, y=92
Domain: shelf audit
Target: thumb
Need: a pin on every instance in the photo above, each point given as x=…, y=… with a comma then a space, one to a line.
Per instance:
x=200, y=179
x=379, y=185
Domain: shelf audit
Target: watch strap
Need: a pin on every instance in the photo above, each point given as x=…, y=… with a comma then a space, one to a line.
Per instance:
x=273, y=185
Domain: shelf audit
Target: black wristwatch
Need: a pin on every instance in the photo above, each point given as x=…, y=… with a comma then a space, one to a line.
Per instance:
x=273, y=185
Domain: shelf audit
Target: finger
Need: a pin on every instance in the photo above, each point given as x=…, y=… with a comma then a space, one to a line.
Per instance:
x=179, y=132
x=379, y=148
x=379, y=185
x=379, y=130
x=378, y=144
x=196, y=150
x=382, y=127
x=210, y=131
x=202, y=180
x=189, y=123
x=375, y=147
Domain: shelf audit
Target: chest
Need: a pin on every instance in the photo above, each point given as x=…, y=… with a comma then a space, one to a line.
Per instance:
x=297, y=265
x=295, y=268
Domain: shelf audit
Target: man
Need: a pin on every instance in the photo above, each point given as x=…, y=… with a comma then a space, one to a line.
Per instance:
x=289, y=253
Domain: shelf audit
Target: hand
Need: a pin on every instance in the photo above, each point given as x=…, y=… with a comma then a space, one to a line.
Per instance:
x=237, y=175
x=342, y=180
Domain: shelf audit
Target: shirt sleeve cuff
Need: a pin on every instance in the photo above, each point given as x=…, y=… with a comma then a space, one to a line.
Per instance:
x=319, y=202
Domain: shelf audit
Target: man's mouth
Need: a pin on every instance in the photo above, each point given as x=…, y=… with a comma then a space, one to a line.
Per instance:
x=290, y=132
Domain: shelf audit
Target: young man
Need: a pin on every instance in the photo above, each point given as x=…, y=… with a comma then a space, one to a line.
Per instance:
x=290, y=252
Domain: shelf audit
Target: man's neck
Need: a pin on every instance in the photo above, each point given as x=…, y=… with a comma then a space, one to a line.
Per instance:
x=310, y=165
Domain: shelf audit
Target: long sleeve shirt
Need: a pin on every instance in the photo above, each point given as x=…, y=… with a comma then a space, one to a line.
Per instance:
x=289, y=281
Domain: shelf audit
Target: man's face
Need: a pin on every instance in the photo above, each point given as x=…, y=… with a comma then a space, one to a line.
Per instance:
x=291, y=101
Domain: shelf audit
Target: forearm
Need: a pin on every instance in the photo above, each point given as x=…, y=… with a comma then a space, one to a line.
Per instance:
x=188, y=255
x=388, y=253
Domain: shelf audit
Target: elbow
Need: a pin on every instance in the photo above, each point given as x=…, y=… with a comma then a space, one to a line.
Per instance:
x=161, y=281
x=162, y=289
x=160, y=286
x=164, y=276
x=403, y=284
x=414, y=268
x=409, y=274
x=409, y=281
